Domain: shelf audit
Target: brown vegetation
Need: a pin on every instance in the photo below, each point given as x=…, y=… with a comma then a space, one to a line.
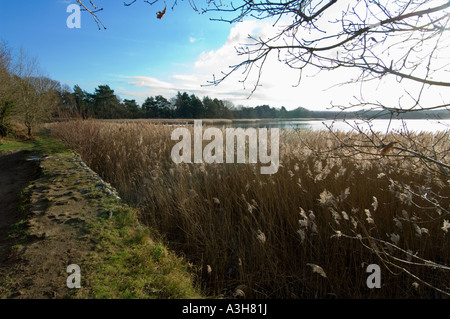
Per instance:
x=308, y=231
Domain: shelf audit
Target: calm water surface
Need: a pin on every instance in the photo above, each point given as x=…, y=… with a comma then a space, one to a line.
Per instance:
x=377, y=125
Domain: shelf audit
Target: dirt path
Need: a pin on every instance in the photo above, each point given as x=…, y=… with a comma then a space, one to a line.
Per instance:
x=53, y=229
x=66, y=215
x=15, y=174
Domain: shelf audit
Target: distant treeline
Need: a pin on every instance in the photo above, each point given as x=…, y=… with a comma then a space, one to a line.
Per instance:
x=105, y=104
x=28, y=98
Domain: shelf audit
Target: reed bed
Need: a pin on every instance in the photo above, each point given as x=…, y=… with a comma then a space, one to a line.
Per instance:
x=308, y=231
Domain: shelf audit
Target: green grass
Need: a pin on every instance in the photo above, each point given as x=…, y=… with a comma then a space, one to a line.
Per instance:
x=42, y=143
x=11, y=144
x=127, y=264
x=47, y=145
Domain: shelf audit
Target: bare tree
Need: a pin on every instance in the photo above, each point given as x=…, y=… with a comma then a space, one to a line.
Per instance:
x=6, y=103
x=403, y=39
x=35, y=95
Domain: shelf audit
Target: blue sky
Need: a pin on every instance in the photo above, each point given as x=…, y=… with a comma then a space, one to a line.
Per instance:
x=135, y=42
x=139, y=55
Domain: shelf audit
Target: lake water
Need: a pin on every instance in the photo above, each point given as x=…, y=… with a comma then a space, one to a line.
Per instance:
x=379, y=125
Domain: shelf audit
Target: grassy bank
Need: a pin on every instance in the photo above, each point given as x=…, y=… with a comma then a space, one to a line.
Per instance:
x=77, y=212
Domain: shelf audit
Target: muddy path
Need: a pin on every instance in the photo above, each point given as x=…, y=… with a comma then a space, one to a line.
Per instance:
x=16, y=172
x=56, y=213
x=44, y=229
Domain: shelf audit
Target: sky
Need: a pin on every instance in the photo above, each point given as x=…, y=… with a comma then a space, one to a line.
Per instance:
x=139, y=55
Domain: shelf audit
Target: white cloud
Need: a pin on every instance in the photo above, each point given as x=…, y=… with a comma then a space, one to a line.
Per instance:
x=218, y=61
x=145, y=81
x=278, y=82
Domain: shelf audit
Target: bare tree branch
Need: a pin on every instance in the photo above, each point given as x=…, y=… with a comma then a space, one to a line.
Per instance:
x=92, y=12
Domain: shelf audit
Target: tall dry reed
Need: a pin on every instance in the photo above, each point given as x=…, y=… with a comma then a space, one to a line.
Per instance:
x=308, y=231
